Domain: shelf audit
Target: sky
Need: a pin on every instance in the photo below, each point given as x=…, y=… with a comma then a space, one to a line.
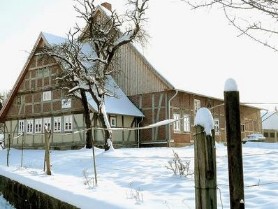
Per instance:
x=134, y=178
x=195, y=50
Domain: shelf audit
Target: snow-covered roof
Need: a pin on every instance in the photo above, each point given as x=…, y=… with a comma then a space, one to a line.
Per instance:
x=52, y=39
x=270, y=120
x=118, y=104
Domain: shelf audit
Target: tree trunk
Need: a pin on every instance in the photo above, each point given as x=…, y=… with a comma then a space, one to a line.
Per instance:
x=87, y=119
x=100, y=118
x=107, y=133
x=104, y=121
x=47, y=166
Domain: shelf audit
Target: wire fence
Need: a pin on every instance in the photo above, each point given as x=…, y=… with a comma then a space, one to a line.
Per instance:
x=259, y=183
x=159, y=161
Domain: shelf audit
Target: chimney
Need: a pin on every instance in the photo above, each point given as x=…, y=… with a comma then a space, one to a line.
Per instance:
x=107, y=6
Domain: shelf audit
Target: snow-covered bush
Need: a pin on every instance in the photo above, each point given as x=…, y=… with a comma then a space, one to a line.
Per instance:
x=135, y=193
x=178, y=166
x=89, y=180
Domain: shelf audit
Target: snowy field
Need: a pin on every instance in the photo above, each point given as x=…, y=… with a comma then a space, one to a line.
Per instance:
x=139, y=179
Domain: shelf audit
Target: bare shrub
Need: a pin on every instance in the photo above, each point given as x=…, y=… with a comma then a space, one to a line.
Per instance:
x=178, y=166
x=89, y=181
x=135, y=193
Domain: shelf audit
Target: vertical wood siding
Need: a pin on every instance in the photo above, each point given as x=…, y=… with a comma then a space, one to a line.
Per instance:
x=136, y=75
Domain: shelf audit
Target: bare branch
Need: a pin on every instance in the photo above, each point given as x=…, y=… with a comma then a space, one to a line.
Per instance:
x=257, y=19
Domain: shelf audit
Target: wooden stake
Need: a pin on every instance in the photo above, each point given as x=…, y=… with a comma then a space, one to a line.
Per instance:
x=47, y=135
x=205, y=170
x=234, y=146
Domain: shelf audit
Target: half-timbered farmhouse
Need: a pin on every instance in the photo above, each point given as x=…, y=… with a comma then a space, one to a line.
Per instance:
x=146, y=97
x=37, y=101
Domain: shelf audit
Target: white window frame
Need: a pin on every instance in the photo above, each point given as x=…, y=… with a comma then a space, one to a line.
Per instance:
x=186, y=123
x=113, y=121
x=21, y=124
x=68, y=123
x=66, y=103
x=197, y=105
x=57, y=124
x=29, y=126
x=46, y=96
x=176, y=124
x=38, y=125
x=216, y=125
x=47, y=123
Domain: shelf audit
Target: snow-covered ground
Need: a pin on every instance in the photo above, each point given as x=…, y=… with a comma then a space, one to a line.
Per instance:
x=139, y=179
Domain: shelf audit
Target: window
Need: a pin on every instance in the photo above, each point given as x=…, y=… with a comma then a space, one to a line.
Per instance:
x=29, y=126
x=272, y=135
x=186, y=123
x=216, y=125
x=242, y=127
x=47, y=123
x=43, y=72
x=265, y=134
x=57, y=124
x=46, y=96
x=177, y=122
x=39, y=73
x=197, y=105
x=21, y=126
x=68, y=123
x=66, y=103
x=38, y=125
x=46, y=72
x=113, y=121
x=18, y=100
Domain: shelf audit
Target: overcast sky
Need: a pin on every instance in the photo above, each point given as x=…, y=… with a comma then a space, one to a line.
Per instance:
x=196, y=51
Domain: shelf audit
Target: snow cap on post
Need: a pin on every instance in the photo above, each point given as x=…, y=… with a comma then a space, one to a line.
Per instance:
x=204, y=119
x=230, y=85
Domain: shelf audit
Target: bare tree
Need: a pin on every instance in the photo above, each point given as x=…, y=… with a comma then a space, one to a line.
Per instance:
x=88, y=54
x=3, y=97
x=256, y=19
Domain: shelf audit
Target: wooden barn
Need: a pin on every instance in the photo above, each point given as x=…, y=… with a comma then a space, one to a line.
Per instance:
x=158, y=99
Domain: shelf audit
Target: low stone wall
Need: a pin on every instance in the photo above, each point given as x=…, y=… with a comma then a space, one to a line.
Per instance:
x=23, y=197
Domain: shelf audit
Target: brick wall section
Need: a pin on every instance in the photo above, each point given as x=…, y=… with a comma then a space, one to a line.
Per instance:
x=183, y=104
x=28, y=109
x=37, y=97
x=37, y=108
x=56, y=106
x=154, y=109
